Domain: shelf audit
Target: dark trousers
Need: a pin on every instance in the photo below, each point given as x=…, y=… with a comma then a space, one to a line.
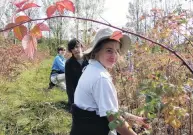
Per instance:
x=70, y=97
x=88, y=123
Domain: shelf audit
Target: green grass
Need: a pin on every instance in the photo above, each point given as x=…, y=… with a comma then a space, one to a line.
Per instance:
x=27, y=108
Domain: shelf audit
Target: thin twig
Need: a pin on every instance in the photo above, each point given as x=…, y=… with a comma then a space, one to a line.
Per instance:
x=104, y=20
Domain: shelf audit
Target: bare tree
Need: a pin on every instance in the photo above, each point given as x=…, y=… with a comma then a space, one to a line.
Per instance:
x=88, y=9
x=136, y=9
x=7, y=10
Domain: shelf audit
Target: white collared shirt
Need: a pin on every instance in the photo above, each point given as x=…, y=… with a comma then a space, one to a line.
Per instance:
x=95, y=90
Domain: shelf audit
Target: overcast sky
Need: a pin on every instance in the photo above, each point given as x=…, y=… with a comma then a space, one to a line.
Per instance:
x=115, y=12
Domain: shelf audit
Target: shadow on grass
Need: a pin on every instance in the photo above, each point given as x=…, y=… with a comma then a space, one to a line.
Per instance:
x=62, y=105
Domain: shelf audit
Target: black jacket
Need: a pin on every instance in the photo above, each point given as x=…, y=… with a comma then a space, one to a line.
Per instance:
x=73, y=71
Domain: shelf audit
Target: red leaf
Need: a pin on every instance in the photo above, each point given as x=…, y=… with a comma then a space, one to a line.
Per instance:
x=183, y=14
x=65, y=4
x=142, y=17
x=43, y=27
x=20, y=32
x=21, y=19
x=29, y=44
x=155, y=10
x=130, y=78
x=36, y=32
x=19, y=4
x=116, y=35
x=27, y=6
x=60, y=8
x=50, y=10
x=9, y=27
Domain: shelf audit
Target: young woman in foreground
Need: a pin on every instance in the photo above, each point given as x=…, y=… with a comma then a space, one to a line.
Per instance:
x=95, y=94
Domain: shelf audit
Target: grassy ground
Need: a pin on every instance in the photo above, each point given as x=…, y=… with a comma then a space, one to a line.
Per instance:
x=27, y=108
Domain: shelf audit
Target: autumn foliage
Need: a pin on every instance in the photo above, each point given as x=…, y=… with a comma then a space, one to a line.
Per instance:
x=152, y=82
x=30, y=36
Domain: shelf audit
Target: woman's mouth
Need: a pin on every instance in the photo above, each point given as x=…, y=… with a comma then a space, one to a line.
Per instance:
x=111, y=61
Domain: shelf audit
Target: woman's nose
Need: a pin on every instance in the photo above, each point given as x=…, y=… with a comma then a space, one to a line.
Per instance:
x=114, y=55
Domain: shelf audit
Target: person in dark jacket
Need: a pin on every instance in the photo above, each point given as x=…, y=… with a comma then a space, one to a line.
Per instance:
x=73, y=68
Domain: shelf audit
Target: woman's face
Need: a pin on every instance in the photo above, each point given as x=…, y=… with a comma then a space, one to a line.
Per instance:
x=77, y=51
x=108, y=54
x=62, y=52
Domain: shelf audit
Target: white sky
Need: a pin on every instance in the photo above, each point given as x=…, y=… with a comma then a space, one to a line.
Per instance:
x=115, y=12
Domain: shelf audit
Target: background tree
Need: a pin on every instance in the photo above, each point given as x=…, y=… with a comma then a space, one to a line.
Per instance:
x=89, y=9
x=59, y=28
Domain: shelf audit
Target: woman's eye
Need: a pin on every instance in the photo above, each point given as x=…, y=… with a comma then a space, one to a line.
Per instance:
x=109, y=51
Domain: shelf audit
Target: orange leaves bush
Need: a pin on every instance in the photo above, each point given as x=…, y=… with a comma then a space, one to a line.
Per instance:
x=10, y=60
x=13, y=61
